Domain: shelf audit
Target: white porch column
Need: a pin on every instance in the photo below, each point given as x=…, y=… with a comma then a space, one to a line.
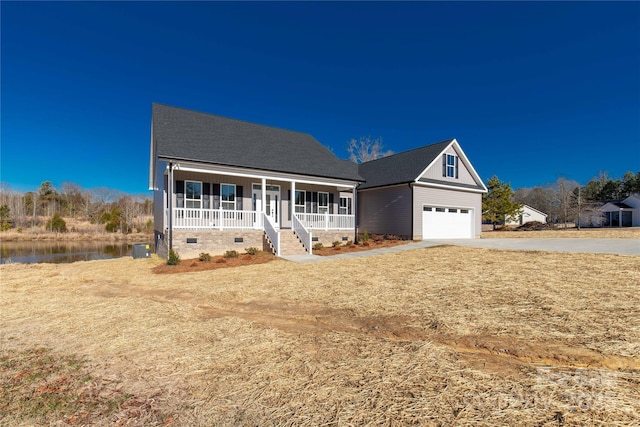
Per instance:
x=354, y=211
x=264, y=196
x=292, y=202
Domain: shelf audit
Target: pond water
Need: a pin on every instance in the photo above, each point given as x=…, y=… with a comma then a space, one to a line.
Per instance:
x=62, y=252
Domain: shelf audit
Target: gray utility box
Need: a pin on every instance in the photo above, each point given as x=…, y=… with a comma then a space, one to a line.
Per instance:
x=141, y=250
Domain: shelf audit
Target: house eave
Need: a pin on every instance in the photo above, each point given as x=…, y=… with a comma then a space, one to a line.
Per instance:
x=422, y=182
x=193, y=166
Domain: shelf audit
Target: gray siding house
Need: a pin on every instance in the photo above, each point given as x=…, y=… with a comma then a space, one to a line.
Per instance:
x=432, y=192
x=221, y=184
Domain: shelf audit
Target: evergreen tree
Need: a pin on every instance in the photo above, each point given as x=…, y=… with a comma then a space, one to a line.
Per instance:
x=57, y=224
x=497, y=204
x=5, y=217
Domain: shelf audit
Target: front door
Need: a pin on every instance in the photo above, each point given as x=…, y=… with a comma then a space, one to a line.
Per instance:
x=272, y=201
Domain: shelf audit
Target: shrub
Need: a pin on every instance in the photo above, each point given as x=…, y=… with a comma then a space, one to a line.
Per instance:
x=317, y=246
x=252, y=251
x=231, y=254
x=336, y=243
x=57, y=224
x=365, y=236
x=204, y=257
x=19, y=230
x=174, y=258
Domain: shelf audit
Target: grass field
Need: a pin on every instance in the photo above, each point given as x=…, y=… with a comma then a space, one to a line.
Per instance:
x=437, y=336
x=587, y=233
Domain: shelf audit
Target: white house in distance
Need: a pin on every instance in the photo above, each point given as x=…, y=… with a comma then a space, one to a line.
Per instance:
x=614, y=213
x=529, y=214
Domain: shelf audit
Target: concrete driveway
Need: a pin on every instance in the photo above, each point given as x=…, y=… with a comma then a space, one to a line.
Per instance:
x=598, y=246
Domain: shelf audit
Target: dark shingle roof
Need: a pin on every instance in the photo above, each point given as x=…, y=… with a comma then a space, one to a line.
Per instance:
x=400, y=168
x=192, y=136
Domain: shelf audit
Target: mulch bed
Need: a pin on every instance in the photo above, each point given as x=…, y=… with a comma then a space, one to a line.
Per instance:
x=216, y=262
x=363, y=246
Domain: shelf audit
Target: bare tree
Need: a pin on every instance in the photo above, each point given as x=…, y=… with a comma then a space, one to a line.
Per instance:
x=566, y=203
x=539, y=198
x=365, y=149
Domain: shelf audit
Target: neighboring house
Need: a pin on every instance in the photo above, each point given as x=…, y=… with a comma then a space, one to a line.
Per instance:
x=529, y=214
x=614, y=213
x=432, y=192
x=223, y=184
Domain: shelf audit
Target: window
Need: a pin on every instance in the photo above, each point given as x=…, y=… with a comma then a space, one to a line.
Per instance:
x=440, y=209
x=345, y=206
x=452, y=166
x=323, y=202
x=228, y=196
x=299, y=201
x=193, y=194
x=452, y=210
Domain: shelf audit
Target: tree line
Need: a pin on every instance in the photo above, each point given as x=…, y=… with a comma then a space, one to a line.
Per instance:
x=47, y=206
x=563, y=201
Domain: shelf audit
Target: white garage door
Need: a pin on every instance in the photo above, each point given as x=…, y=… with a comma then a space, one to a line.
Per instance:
x=447, y=223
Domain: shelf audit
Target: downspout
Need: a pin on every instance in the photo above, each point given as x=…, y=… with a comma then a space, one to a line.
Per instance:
x=170, y=196
x=413, y=209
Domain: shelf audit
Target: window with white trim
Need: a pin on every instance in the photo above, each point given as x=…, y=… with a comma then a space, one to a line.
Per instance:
x=299, y=201
x=345, y=206
x=228, y=196
x=193, y=194
x=452, y=166
x=323, y=202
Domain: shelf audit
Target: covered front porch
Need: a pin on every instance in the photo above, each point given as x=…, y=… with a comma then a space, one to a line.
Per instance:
x=221, y=219
x=215, y=200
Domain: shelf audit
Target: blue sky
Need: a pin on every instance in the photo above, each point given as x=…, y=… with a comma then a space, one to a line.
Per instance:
x=533, y=91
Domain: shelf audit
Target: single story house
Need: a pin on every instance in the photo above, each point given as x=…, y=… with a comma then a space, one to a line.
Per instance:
x=224, y=184
x=529, y=214
x=614, y=213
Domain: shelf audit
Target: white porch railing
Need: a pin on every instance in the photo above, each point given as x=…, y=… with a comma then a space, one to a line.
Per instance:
x=272, y=233
x=316, y=221
x=216, y=219
x=303, y=233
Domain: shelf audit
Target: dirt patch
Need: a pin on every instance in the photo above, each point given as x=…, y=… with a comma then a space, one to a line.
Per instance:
x=499, y=354
x=216, y=262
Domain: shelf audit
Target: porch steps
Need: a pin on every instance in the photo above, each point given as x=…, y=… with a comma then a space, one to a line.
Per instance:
x=289, y=243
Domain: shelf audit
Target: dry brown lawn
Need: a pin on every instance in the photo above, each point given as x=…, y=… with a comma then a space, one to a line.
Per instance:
x=592, y=233
x=411, y=338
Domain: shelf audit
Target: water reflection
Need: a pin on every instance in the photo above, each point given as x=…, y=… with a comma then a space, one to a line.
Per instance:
x=61, y=252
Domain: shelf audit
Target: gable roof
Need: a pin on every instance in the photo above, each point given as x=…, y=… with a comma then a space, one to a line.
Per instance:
x=408, y=166
x=534, y=210
x=180, y=134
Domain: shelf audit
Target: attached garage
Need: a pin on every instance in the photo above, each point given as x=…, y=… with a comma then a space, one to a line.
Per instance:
x=431, y=192
x=439, y=222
